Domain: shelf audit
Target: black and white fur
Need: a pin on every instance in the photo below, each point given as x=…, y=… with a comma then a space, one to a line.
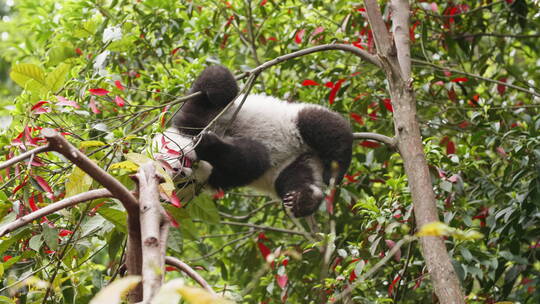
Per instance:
x=282, y=149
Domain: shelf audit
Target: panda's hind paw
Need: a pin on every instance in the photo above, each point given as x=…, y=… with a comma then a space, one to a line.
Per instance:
x=290, y=200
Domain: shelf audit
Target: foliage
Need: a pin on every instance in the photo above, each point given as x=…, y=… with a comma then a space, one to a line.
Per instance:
x=105, y=72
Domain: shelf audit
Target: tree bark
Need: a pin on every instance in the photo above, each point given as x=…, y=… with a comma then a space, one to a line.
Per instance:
x=397, y=66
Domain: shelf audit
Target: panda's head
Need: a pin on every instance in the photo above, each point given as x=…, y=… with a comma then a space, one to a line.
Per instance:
x=176, y=153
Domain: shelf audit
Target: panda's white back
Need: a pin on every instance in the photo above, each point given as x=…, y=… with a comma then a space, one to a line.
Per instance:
x=272, y=122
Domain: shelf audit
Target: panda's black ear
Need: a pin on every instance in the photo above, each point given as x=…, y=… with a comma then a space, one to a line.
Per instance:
x=218, y=85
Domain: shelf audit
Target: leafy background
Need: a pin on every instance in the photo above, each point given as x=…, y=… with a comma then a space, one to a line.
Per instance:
x=103, y=73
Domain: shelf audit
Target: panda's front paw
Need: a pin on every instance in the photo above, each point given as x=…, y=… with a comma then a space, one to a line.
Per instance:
x=290, y=200
x=207, y=143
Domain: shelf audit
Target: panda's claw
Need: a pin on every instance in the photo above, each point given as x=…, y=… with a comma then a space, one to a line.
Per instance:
x=290, y=199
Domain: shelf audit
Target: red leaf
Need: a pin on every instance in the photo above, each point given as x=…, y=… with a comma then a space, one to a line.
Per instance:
x=388, y=104
x=282, y=280
x=357, y=118
x=64, y=232
x=7, y=258
x=219, y=194
x=370, y=144
x=463, y=124
x=450, y=147
x=500, y=87
x=391, y=244
x=174, y=223
x=78, y=51
x=501, y=152
x=329, y=84
x=299, y=36
x=175, y=201
x=262, y=237
x=38, y=105
x=98, y=92
x=285, y=262
x=32, y=203
x=393, y=284
x=460, y=79
x=263, y=2
x=119, y=85
x=170, y=268
x=352, y=276
x=317, y=31
x=119, y=101
x=452, y=95
x=334, y=91
x=272, y=38
x=41, y=110
x=264, y=250
x=93, y=106
x=330, y=201
x=309, y=82
x=62, y=101
x=43, y=184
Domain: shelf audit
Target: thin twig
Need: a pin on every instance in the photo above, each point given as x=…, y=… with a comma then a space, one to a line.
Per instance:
x=24, y=156
x=67, y=202
x=391, y=142
x=534, y=93
x=190, y=272
x=282, y=230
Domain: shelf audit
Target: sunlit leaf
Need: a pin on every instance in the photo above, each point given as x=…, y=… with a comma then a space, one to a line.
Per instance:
x=114, y=293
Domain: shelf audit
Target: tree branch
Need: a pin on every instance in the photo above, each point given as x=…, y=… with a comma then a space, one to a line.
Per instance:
x=382, y=38
x=151, y=219
x=190, y=272
x=62, y=146
x=325, y=47
x=390, y=141
x=67, y=202
x=400, y=28
x=265, y=228
x=24, y=156
x=534, y=93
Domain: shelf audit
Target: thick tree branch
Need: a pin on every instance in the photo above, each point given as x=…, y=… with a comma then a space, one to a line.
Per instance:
x=409, y=142
x=391, y=142
x=130, y=203
x=62, y=146
x=24, y=156
x=382, y=38
x=67, y=202
x=400, y=28
x=190, y=272
x=151, y=219
x=325, y=47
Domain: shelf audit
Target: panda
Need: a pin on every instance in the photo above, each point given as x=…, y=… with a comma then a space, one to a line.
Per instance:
x=285, y=150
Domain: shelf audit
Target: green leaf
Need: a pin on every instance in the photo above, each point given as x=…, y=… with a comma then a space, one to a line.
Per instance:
x=35, y=242
x=77, y=182
x=56, y=79
x=30, y=77
x=6, y=300
x=7, y=243
x=202, y=207
x=50, y=235
x=115, y=216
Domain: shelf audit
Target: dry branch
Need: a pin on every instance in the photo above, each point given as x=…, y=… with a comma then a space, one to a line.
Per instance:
x=24, y=156
x=391, y=142
x=62, y=146
x=134, y=253
x=152, y=219
x=190, y=272
x=67, y=202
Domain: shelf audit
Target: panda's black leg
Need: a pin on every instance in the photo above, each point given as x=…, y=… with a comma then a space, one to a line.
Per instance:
x=330, y=136
x=235, y=162
x=299, y=185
